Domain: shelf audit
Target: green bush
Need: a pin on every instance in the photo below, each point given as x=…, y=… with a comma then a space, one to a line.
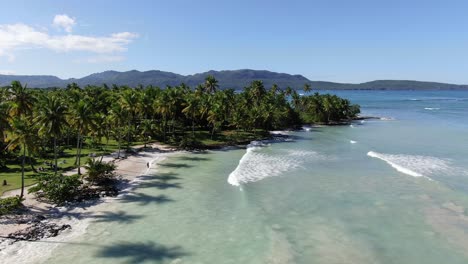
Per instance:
x=57, y=188
x=99, y=173
x=189, y=143
x=10, y=204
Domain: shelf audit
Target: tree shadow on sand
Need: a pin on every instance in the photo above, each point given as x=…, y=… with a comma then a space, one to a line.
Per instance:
x=193, y=158
x=175, y=165
x=119, y=217
x=145, y=199
x=141, y=252
x=162, y=176
x=161, y=181
x=161, y=185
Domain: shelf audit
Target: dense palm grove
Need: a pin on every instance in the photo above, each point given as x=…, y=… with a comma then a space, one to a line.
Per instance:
x=34, y=122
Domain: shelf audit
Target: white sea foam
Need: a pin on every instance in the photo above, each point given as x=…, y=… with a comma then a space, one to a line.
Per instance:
x=352, y=142
x=256, y=165
x=279, y=132
x=431, y=108
x=307, y=128
x=352, y=126
x=387, y=118
x=414, y=165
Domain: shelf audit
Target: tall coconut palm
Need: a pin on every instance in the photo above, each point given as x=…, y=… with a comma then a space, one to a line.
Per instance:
x=130, y=101
x=4, y=120
x=288, y=91
x=51, y=118
x=211, y=84
x=146, y=128
x=82, y=119
x=21, y=100
x=21, y=135
x=191, y=109
x=307, y=88
x=117, y=118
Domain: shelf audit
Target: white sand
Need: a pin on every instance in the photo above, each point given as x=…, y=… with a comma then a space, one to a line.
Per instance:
x=128, y=168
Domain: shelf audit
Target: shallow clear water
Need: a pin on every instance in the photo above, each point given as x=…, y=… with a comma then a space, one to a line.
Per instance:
x=397, y=194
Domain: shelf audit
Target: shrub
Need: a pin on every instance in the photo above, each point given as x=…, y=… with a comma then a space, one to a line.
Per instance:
x=98, y=172
x=10, y=204
x=189, y=143
x=57, y=188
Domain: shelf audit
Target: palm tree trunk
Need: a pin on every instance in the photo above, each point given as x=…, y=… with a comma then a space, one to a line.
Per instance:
x=31, y=163
x=164, y=128
x=173, y=124
x=22, y=172
x=128, y=136
x=79, y=157
x=55, y=155
x=119, y=145
x=105, y=147
x=77, y=147
x=212, y=132
x=193, y=126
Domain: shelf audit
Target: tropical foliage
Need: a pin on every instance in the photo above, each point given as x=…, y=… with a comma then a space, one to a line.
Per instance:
x=57, y=189
x=99, y=172
x=10, y=204
x=40, y=122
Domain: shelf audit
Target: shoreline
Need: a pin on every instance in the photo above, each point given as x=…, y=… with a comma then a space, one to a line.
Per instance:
x=63, y=223
x=72, y=220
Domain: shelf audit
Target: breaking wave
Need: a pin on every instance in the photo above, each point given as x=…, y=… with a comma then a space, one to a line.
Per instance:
x=257, y=164
x=414, y=165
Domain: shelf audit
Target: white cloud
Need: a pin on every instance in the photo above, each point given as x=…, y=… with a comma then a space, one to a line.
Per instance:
x=7, y=72
x=65, y=22
x=101, y=59
x=21, y=36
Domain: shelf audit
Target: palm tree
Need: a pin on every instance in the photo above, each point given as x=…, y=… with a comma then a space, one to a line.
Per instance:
x=82, y=119
x=51, y=118
x=288, y=91
x=307, y=88
x=191, y=109
x=211, y=84
x=4, y=120
x=327, y=107
x=21, y=135
x=129, y=99
x=21, y=100
x=147, y=128
x=117, y=117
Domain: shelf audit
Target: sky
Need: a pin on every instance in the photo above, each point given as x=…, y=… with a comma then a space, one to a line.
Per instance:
x=329, y=40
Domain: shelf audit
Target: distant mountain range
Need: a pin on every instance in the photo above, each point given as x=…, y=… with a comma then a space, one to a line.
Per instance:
x=236, y=79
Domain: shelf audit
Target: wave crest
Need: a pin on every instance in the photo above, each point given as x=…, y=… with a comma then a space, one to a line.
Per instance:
x=413, y=165
x=256, y=164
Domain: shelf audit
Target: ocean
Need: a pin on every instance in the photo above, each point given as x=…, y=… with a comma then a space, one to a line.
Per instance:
x=387, y=190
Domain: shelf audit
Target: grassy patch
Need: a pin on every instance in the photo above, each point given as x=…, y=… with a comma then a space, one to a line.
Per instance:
x=65, y=162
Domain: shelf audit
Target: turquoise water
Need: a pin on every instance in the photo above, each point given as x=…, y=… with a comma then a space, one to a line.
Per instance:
x=397, y=194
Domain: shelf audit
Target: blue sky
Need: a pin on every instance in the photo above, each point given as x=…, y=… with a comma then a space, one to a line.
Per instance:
x=343, y=41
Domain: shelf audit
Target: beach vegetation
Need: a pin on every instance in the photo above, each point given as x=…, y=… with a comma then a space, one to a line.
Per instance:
x=56, y=188
x=10, y=204
x=54, y=130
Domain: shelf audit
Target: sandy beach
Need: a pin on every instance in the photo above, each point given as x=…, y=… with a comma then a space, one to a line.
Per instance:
x=78, y=216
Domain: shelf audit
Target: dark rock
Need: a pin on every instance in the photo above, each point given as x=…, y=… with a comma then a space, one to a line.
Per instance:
x=39, y=231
